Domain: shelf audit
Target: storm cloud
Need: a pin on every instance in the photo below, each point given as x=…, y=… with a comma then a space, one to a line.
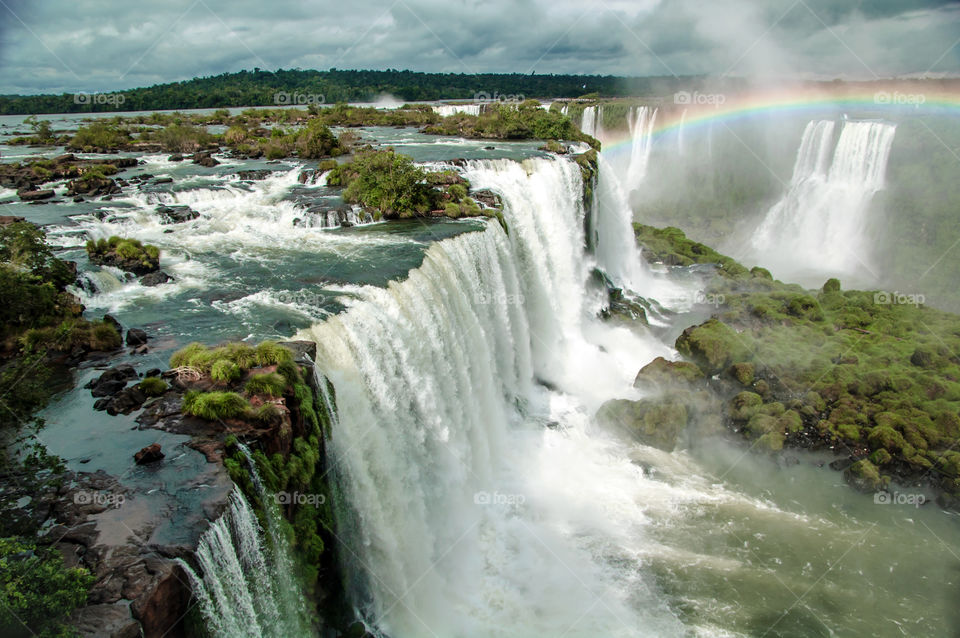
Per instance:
x=89, y=45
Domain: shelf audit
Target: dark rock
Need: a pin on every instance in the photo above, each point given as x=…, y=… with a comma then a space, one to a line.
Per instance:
x=6, y=220
x=136, y=337
x=68, y=158
x=149, y=454
x=78, y=199
x=152, y=372
x=113, y=322
x=487, y=198
x=92, y=187
x=163, y=180
x=176, y=214
x=204, y=159
x=112, y=380
x=257, y=175
x=155, y=279
x=176, y=157
x=35, y=195
x=106, y=621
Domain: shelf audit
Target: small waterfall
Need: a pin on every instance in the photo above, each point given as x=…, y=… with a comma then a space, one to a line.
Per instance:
x=615, y=246
x=457, y=525
x=641, y=130
x=446, y=110
x=246, y=589
x=591, y=122
x=819, y=224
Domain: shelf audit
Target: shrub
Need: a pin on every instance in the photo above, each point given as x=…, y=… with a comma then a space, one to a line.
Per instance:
x=214, y=406
x=268, y=414
x=457, y=192
x=270, y=384
x=270, y=353
x=225, y=371
x=451, y=210
x=153, y=386
x=37, y=592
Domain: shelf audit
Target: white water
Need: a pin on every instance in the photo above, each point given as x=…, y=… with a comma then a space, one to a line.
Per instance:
x=819, y=226
x=683, y=123
x=641, y=131
x=446, y=110
x=245, y=590
x=591, y=122
x=469, y=516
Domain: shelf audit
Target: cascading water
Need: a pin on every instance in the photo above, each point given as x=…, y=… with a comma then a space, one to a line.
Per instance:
x=460, y=526
x=641, y=131
x=445, y=110
x=819, y=225
x=591, y=122
x=245, y=589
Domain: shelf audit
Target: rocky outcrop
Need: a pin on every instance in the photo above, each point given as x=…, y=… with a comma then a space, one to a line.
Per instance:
x=176, y=214
x=35, y=195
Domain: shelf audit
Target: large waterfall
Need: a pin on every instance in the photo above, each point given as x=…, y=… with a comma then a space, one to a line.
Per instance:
x=591, y=122
x=819, y=226
x=246, y=590
x=465, y=436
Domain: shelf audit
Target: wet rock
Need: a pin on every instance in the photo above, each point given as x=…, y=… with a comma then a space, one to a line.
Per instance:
x=124, y=402
x=204, y=159
x=67, y=158
x=152, y=372
x=112, y=381
x=113, y=322
x=155, y=278
x=6, y=220
x=136, y=337
x=176, y=214
x=176, y=157
x=487, y=198
x=257, y=175
x=163, y=180
x=92, y=187
x=78, y=199
x=149, y=454
x=106, y=620
x=35, y=195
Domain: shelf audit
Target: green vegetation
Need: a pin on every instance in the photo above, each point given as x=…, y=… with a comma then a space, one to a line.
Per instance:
x=832, y=368
x=270, y=385
x=99, y=136
x=153, y=386
x=260, y=88
x=128, y=254
x=37, y=592
x=524, y=121
x=386, y=182
x=215, y=406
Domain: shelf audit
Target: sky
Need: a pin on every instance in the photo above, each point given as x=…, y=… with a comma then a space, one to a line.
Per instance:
x=54, y=46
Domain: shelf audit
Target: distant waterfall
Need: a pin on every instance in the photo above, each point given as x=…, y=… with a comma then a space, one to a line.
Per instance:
x=641, y=124
x=459, y=527
x=247, y=590
x=819, y=225
x=680, y=131
x=444, y=110
x=591, y=122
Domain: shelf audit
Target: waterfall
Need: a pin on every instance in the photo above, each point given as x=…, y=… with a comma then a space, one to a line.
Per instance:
x=463, y=521
x=819, y=224
x=641, y=131
x=247, y=590
x=445, y=110
x=591, y=122
x=615, y=247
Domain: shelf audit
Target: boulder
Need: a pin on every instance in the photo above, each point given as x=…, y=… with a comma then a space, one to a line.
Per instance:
x=6, y=220
x=136, y=337
x=204, y=159
x=176, y=157
x=176, y=214
x=155, y=279
x=163, y=180
x=112, y=380
x=257, y=175
x=92, y=187
x=149, y=454
x=712, y=345
x=657, y=423
x=35, y=195
x=660, y=372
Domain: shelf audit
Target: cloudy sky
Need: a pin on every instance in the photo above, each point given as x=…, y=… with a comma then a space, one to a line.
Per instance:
x=95, y=45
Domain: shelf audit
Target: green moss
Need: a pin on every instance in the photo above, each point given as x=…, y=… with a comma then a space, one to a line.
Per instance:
x=153, y=386
x=214, y=406
x=712, y=345
x=271, y=385
x=270, y=353
x=225, y=371
x=744, y=405
x=864, y=476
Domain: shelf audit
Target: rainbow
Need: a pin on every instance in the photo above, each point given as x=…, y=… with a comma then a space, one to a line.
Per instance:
x=699, y=109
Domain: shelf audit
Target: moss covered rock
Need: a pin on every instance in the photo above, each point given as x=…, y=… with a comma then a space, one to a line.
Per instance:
x=712, y=345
